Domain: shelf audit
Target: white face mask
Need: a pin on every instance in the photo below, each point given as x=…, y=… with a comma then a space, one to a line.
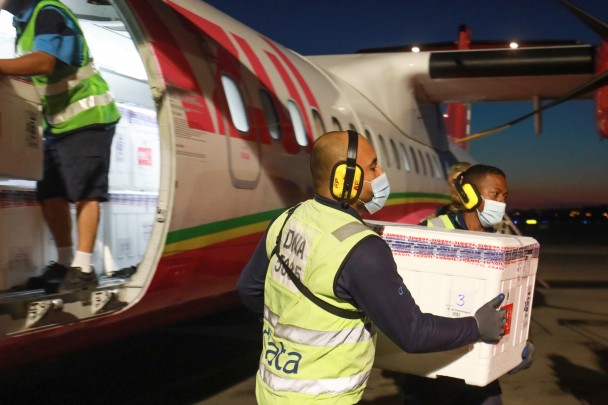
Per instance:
x=380, y=192
x=492, y=213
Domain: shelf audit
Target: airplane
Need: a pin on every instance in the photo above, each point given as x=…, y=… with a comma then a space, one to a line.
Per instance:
x=214, y=142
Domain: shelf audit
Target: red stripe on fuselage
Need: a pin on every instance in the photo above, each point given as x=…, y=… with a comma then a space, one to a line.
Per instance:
x=264, y=79
x=293, y=93
x=307, y=92
x=173, y=65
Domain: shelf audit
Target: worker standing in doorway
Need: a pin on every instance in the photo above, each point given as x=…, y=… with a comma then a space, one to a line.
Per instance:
x=80, y=116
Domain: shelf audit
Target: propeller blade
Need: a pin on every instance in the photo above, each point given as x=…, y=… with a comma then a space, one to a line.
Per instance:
x=600, y=27
x=593, y=84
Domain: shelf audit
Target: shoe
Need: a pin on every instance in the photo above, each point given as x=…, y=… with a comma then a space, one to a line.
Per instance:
x=51, y=272
x=76, y=279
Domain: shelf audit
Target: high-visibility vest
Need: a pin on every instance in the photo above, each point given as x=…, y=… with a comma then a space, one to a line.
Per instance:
x=309, y=354
x=72, y=97
x=442, y=221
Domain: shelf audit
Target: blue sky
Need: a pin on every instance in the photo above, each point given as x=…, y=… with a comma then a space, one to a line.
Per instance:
x=565, y=166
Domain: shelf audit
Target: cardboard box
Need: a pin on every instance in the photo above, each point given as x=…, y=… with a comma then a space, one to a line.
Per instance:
x=21, y=236
x=452, y=273
x=21, y=149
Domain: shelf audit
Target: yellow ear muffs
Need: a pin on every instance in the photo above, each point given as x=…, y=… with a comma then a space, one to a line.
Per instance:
x=347, y=176
x=339, y=188
x=467, y=192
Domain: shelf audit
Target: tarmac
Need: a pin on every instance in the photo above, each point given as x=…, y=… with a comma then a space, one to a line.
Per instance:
x=212, y=360
x=569, y=328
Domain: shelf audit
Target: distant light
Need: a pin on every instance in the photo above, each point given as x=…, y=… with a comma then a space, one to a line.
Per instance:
x=514, y=45
x=415, y=49
x=531, y=222
x=445, y=115
x=515, y=221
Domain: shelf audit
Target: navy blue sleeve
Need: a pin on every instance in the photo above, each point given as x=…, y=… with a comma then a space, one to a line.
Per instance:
x=250, y=285
x=56, y=34
x=370, y=279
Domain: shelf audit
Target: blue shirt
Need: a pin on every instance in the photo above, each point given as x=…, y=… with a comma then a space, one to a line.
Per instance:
x=369, y=279
x=56, y=34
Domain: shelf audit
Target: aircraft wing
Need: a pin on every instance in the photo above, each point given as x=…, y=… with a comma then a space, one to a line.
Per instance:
x=506, y=74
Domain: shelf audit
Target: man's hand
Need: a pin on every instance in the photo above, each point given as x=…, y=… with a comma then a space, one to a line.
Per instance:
x=490, y=321
x=527, y=357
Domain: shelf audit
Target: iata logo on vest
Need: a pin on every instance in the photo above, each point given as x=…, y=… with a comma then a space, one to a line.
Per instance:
x=278, y=358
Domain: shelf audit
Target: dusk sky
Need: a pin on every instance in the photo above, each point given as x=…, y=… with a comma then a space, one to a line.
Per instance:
x=565, y=166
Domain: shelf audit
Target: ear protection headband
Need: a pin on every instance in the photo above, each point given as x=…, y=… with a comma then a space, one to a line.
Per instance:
x=346, y=175
x=467, y=192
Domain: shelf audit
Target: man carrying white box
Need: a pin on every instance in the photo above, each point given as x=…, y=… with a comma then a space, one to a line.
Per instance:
x=481, y=192
x=320, y=278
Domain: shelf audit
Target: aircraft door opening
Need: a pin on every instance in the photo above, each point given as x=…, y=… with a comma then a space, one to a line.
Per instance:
x=128, y=220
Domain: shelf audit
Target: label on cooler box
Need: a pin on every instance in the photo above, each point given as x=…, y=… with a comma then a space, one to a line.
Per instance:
x=489, y=256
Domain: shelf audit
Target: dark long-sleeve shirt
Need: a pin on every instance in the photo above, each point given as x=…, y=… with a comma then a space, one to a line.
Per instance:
x=369, y=279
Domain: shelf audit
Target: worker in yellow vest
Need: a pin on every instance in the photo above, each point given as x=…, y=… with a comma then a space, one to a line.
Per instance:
x=323, y=281
x=80, y=116
x=481, y=192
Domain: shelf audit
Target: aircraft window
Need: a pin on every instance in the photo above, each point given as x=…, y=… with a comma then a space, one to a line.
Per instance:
x=370, y=139
x=437, y=166
x=422, y=162
x=384, y=152
x=236, y=104
x=319, y=126
x=270, y=113
x=415, y=160
x=446, y=168
x=406, y=160
x=396, y=154
x=336, y=124
x=432, y=170
x=298, y=123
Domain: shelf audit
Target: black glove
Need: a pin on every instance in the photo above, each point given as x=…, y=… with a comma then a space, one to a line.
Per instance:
x=527, y=357
x=490, y=321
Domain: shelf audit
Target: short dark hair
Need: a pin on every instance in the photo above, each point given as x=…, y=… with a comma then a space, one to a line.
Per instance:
x=476, y=173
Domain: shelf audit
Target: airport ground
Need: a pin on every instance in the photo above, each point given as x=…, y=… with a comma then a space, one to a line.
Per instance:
x=212, y=360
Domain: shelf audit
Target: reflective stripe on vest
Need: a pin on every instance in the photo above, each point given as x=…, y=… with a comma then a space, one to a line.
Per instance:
x=80, y=106
x=333, y=386
x=68, y=82
x=442, y=221
x=315, y=337
x=72, y=96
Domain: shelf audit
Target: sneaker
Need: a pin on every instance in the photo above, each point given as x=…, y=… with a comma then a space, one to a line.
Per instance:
x=51, y=272
x=78, y=280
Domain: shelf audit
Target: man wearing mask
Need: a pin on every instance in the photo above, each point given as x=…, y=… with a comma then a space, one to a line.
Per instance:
x=320, y=278
x=482, y=191
x=79, y=123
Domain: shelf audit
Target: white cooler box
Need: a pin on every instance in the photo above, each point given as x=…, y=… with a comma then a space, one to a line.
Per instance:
x=452, y=274
x=21, y=150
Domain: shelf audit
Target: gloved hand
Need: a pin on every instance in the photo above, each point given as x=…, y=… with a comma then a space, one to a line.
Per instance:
x=490, y=322
x=527, y=358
